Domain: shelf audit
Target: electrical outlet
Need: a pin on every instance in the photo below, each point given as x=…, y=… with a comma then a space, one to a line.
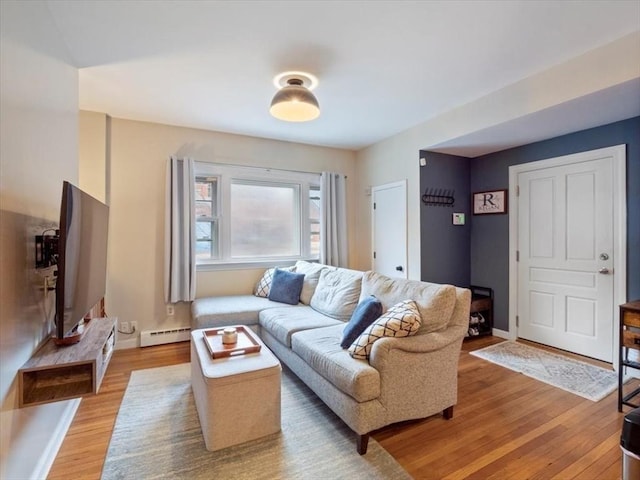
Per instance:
x=134, y=327
x=124, y=327
x=170, y=310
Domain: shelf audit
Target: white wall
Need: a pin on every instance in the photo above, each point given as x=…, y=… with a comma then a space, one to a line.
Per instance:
x=93, y=168
x=391, y=160
x=397, y=157
x=137, y=164
x=38, y=149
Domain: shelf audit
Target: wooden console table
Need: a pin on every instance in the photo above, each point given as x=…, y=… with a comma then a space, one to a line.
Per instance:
x=56, y=373
x=629, y=339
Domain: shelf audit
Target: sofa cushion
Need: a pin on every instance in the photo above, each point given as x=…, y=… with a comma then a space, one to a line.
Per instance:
x=337, y=293
x=320, y=349
x=286, y=287
x=401, y=320
x=263, y=287
x=281, y=323
x=208, y=312
x=435, y=301
x=311, y=276
x=367, y=311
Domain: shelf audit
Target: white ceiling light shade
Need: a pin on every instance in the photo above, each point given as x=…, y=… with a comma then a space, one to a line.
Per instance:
x=294, y=102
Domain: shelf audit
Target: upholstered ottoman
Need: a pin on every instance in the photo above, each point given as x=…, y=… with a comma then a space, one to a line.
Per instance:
x=237, y=397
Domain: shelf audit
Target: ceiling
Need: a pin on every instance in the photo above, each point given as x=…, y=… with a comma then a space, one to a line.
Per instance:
x=383, y=66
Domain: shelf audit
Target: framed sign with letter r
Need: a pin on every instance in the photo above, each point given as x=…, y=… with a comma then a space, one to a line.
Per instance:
x=494, y=201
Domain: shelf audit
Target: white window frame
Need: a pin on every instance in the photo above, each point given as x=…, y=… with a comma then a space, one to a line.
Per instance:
x=226, y=174
x=214, y=219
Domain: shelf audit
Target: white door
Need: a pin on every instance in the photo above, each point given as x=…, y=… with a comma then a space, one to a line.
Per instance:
x=389, y=219
x=565, y=255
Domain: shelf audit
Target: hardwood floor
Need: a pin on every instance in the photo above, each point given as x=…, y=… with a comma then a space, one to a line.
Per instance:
x=505, y=426
x=84, y=449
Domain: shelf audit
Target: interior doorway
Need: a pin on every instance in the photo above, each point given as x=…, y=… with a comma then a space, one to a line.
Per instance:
x=389, y=225
x=567, y=267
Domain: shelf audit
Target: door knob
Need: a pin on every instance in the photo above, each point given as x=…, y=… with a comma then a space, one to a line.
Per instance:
x=399, y=268
x=603, y=270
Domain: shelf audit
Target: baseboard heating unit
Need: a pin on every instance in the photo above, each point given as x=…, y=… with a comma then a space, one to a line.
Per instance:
x=160, y=337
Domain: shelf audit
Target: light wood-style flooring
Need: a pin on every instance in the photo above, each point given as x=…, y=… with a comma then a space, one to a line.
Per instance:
x=505, y=426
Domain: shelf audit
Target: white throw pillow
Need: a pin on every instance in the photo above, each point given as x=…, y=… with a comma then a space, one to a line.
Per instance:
x=401, y=320
x=311, y=277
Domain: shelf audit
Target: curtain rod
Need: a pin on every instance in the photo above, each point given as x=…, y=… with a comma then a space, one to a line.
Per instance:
x=263, y=168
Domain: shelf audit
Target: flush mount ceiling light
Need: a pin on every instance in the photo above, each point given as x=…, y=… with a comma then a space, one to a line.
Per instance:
x=294, y=102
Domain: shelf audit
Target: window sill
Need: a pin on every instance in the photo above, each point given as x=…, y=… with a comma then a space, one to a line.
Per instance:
x=264, y=264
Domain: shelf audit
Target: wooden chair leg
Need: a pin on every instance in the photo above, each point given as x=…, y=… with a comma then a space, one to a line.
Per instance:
x=362, y=443
x=448, y=413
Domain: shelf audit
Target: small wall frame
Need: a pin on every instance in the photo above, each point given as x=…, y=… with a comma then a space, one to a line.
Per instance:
x=490, y=202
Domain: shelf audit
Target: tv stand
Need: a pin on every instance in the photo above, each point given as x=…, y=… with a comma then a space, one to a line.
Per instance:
x=56, y=373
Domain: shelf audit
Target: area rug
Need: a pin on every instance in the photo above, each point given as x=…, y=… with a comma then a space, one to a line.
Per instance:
x=157, y=435
x=579, y=378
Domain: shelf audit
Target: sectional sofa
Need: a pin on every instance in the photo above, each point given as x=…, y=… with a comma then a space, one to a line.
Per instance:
x=400, y=377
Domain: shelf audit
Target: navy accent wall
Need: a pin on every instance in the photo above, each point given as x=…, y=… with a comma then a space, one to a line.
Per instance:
x=445, y=247
x=490, y=233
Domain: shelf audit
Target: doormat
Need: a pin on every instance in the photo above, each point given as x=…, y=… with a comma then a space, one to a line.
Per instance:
x=580, y=378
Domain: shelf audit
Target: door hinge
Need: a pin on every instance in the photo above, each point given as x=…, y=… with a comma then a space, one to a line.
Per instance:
x=517, y=255
x=374, y=254
x=517, y=190
x=374, y=205
x=517, y=321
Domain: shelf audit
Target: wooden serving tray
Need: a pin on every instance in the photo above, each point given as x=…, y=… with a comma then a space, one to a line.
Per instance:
x=245, y=344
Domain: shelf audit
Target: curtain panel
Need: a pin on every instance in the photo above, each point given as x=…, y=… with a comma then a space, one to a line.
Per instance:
x=180, y=243
x=333, y=220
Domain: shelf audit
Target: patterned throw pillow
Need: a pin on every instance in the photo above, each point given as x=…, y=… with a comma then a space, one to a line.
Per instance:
x=263, y=287
x=401, y=320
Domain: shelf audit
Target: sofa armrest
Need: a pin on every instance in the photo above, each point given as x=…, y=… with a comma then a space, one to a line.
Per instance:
x=427, y=342
x=424, y=343
x=418, y=375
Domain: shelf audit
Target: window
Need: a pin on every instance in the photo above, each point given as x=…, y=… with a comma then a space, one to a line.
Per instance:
x=248, y=216
x=314, y=220
x=207, y=218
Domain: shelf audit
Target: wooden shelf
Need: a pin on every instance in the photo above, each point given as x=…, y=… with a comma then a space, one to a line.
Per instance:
x=482, y=311
x=56, y=373
x=629, y=336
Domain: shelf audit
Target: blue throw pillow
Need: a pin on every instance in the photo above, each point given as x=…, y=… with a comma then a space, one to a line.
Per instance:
x=286, y=287
x=367, y=312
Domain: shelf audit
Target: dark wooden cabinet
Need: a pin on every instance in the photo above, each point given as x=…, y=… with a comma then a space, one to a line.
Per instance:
x=629, y=351
x=481, y=313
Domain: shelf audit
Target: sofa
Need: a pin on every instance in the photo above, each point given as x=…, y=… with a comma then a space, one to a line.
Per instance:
x=398, y=376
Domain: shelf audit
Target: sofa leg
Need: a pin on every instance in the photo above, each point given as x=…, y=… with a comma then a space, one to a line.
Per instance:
x=448, y=413
x=362, y=443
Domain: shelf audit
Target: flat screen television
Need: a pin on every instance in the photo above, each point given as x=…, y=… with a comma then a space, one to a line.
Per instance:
x=82, y=260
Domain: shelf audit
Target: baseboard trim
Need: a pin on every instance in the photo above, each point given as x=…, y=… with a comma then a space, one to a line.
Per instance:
x=128, y=343
x=49, y=454
x=32, y=436
x=500, y=333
